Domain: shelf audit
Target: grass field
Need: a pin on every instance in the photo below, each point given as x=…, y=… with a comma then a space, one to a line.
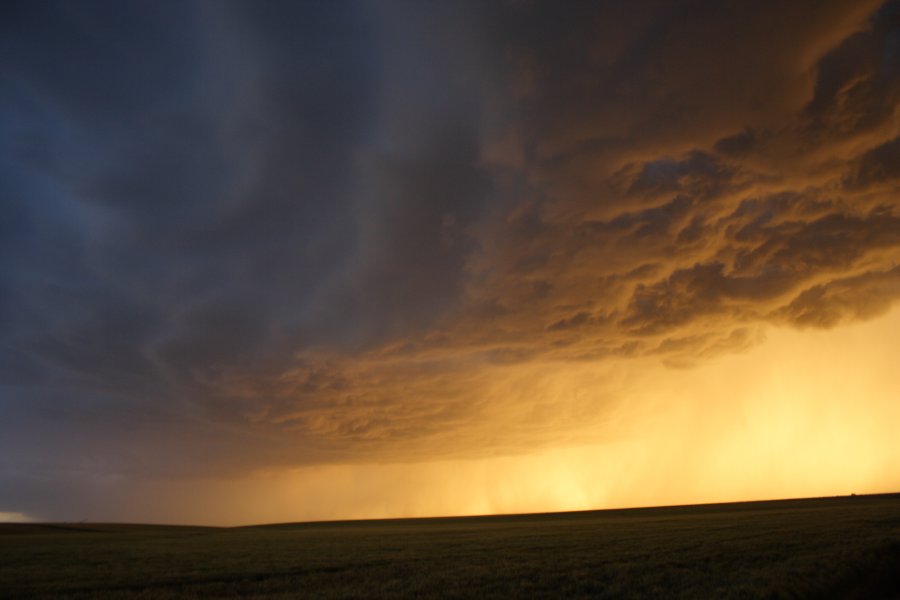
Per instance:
x=823, y=548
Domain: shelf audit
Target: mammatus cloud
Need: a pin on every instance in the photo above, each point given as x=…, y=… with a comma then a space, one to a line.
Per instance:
x=238, y=237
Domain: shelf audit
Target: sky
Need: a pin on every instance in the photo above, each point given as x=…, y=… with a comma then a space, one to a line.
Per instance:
x=283, y=261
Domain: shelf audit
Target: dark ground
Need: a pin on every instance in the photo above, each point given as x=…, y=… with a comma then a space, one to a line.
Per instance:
x=846, y=547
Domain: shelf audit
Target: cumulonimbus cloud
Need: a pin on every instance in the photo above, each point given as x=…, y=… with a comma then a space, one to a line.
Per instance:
x=379, y=238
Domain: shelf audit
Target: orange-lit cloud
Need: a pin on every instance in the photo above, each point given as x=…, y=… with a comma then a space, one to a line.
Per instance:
x=480, y=258
x=679, y=258
x=804, y=414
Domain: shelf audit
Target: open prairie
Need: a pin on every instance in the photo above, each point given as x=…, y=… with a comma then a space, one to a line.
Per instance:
x=847, y=547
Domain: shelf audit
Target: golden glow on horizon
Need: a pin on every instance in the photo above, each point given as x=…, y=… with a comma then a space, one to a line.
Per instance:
x=13, y=517
x=806, y=413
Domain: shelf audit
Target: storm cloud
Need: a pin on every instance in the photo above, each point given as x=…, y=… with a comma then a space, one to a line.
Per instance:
x=238, y=236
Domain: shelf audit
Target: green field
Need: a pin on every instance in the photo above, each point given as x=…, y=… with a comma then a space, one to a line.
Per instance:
x=823, y=548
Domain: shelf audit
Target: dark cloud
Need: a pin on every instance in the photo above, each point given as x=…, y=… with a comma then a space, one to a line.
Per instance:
x=237, y=235
x=876, y=166
x=856, y=85
x=850, y=298
x=738, y=144
x=699, y=176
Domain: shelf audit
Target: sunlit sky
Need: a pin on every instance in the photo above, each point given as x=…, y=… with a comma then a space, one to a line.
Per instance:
x=283, y=261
